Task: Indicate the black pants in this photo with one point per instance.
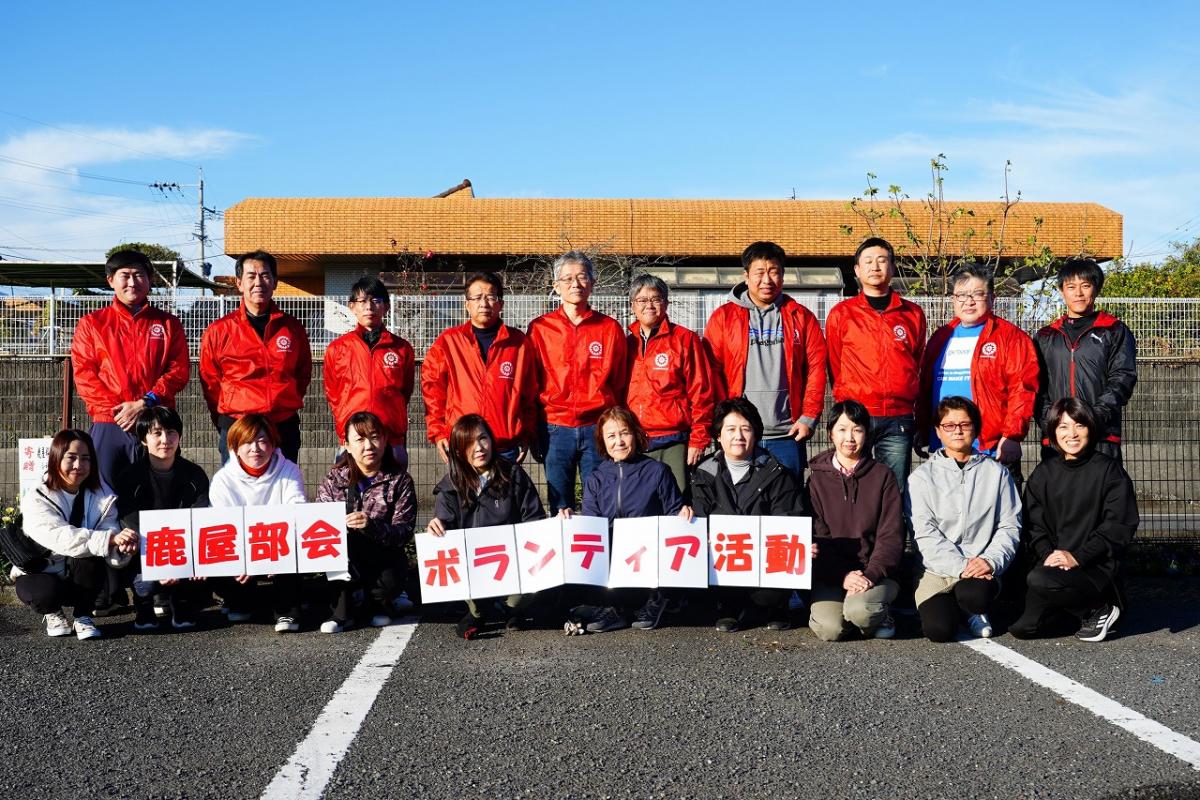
(375, 569)
(47, 593)
(1051, 590)
(241, 597)
(289, 434)
(941, 613)
(732, 601)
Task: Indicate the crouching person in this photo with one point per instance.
(483, 489)
(857, 519)
(742, 478)
(381, 511)
(75, 519)
(161, 479)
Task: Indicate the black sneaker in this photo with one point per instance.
(609, 619)
(731, 624)
(145, 619)
(515, 621)
(468, 627)
(778, 622)
(649, 615)
(1096, 627)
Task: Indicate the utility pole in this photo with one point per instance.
(203, 237)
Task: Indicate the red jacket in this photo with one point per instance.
(242, 374)
(455, 381)
(378, 379)
(670, 385)
(118, 356)
(875, 358)
(581, 368)
(1004, 380)
(727, 336)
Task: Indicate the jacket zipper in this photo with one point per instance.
(620, 480)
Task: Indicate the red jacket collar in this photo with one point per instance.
(124, 311)
(635, 328)
(988, 321)
(505, 331)
(1103, 320)
(587, 315)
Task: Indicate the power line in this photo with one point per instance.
(74, 172)
(97, 139)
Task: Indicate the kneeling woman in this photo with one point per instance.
(1080, 515)
(744, 479)
(482, 489)
(75, 519)
(966, 519)
(627, 484)
(381, 511)
(258, 474)
(857, 520)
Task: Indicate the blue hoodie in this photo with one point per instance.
(636, 487)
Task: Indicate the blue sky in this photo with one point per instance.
(1091, 102)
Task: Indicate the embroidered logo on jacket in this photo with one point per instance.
(506, 369)
(662, 360)
(988, 350)
(596, 350)
(284, 344)
(157, 331)
(901, 334)
(391, 358)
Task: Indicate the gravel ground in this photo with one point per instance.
(679, 712)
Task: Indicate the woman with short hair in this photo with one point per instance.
(74, 518)
(1080, 515)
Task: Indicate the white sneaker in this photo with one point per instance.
(402, 603)
(286, 625)
(57, 624)
(86, 629)
(980, 626)
(331, 626)
(380, 621)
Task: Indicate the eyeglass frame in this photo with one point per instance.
(960, 427)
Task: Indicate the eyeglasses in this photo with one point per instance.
(646, 302)
(966, 297)
(376, 302)
(479, 298)
(577, 280)
(961, 427)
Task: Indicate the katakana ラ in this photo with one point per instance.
(493, 554)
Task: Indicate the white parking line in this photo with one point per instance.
(1141, 726)
(308, 771)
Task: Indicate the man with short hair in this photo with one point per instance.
(127, 356)
(580, 372)
(1087, 354)
(371, 369)
(670, 381)
(769, 348)
(985, 359)
(256, 359)
(876, 343)
(482, 367)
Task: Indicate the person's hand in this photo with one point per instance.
(168, 581)
(800, 431)
(1008, 451)
(1061, 559)
(356, 520)
(243, 579)
(977, 568)
(694, 455)
(565, 513)
(813, 550)
(126, 541)
(522, 453)
(436, 527)
(687, 513)
(856, 582)
(125, 414)
(443, 450)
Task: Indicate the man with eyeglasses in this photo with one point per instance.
(580, 372)
(670, 384)
(985, 359)
(371, 369)
(482, 367)
(256, 359)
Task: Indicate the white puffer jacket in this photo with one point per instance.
(46, 515)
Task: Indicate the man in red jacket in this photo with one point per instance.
(256, 360)
(482, 367)
(580, 372)
(371, 369)
(769, 348)
(985, 359)
(670, 381)
(876, 342)
(126, 357)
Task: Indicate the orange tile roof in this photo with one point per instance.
(306, 228)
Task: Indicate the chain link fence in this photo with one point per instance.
(1162, 425)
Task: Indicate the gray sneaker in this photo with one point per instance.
(649, 615)
(609, 619)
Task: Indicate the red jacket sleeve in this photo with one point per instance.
(304, 364)
(434, 377)
(616, 376)
(815, 354)
(178, 370)
(210, 368)
(410, 372)
(834, 332)
(332, 377)
(86, 368)
(714, 346)
(701, 397)
(1023, 378)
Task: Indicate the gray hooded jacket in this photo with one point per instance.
(766, 380)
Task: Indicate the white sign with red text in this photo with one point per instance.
(219, 542)
(270, 539)
(492, 569)
(585, 548)
(540, 554)
(634, 553)
(786, 553)
(733, 550)
(682, 553)
(165, 541)
(442, 562)
(321, 543)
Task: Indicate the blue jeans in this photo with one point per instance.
(791, 454)
(891, 443)
(567, 448)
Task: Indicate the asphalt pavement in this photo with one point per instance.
(683, 711)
